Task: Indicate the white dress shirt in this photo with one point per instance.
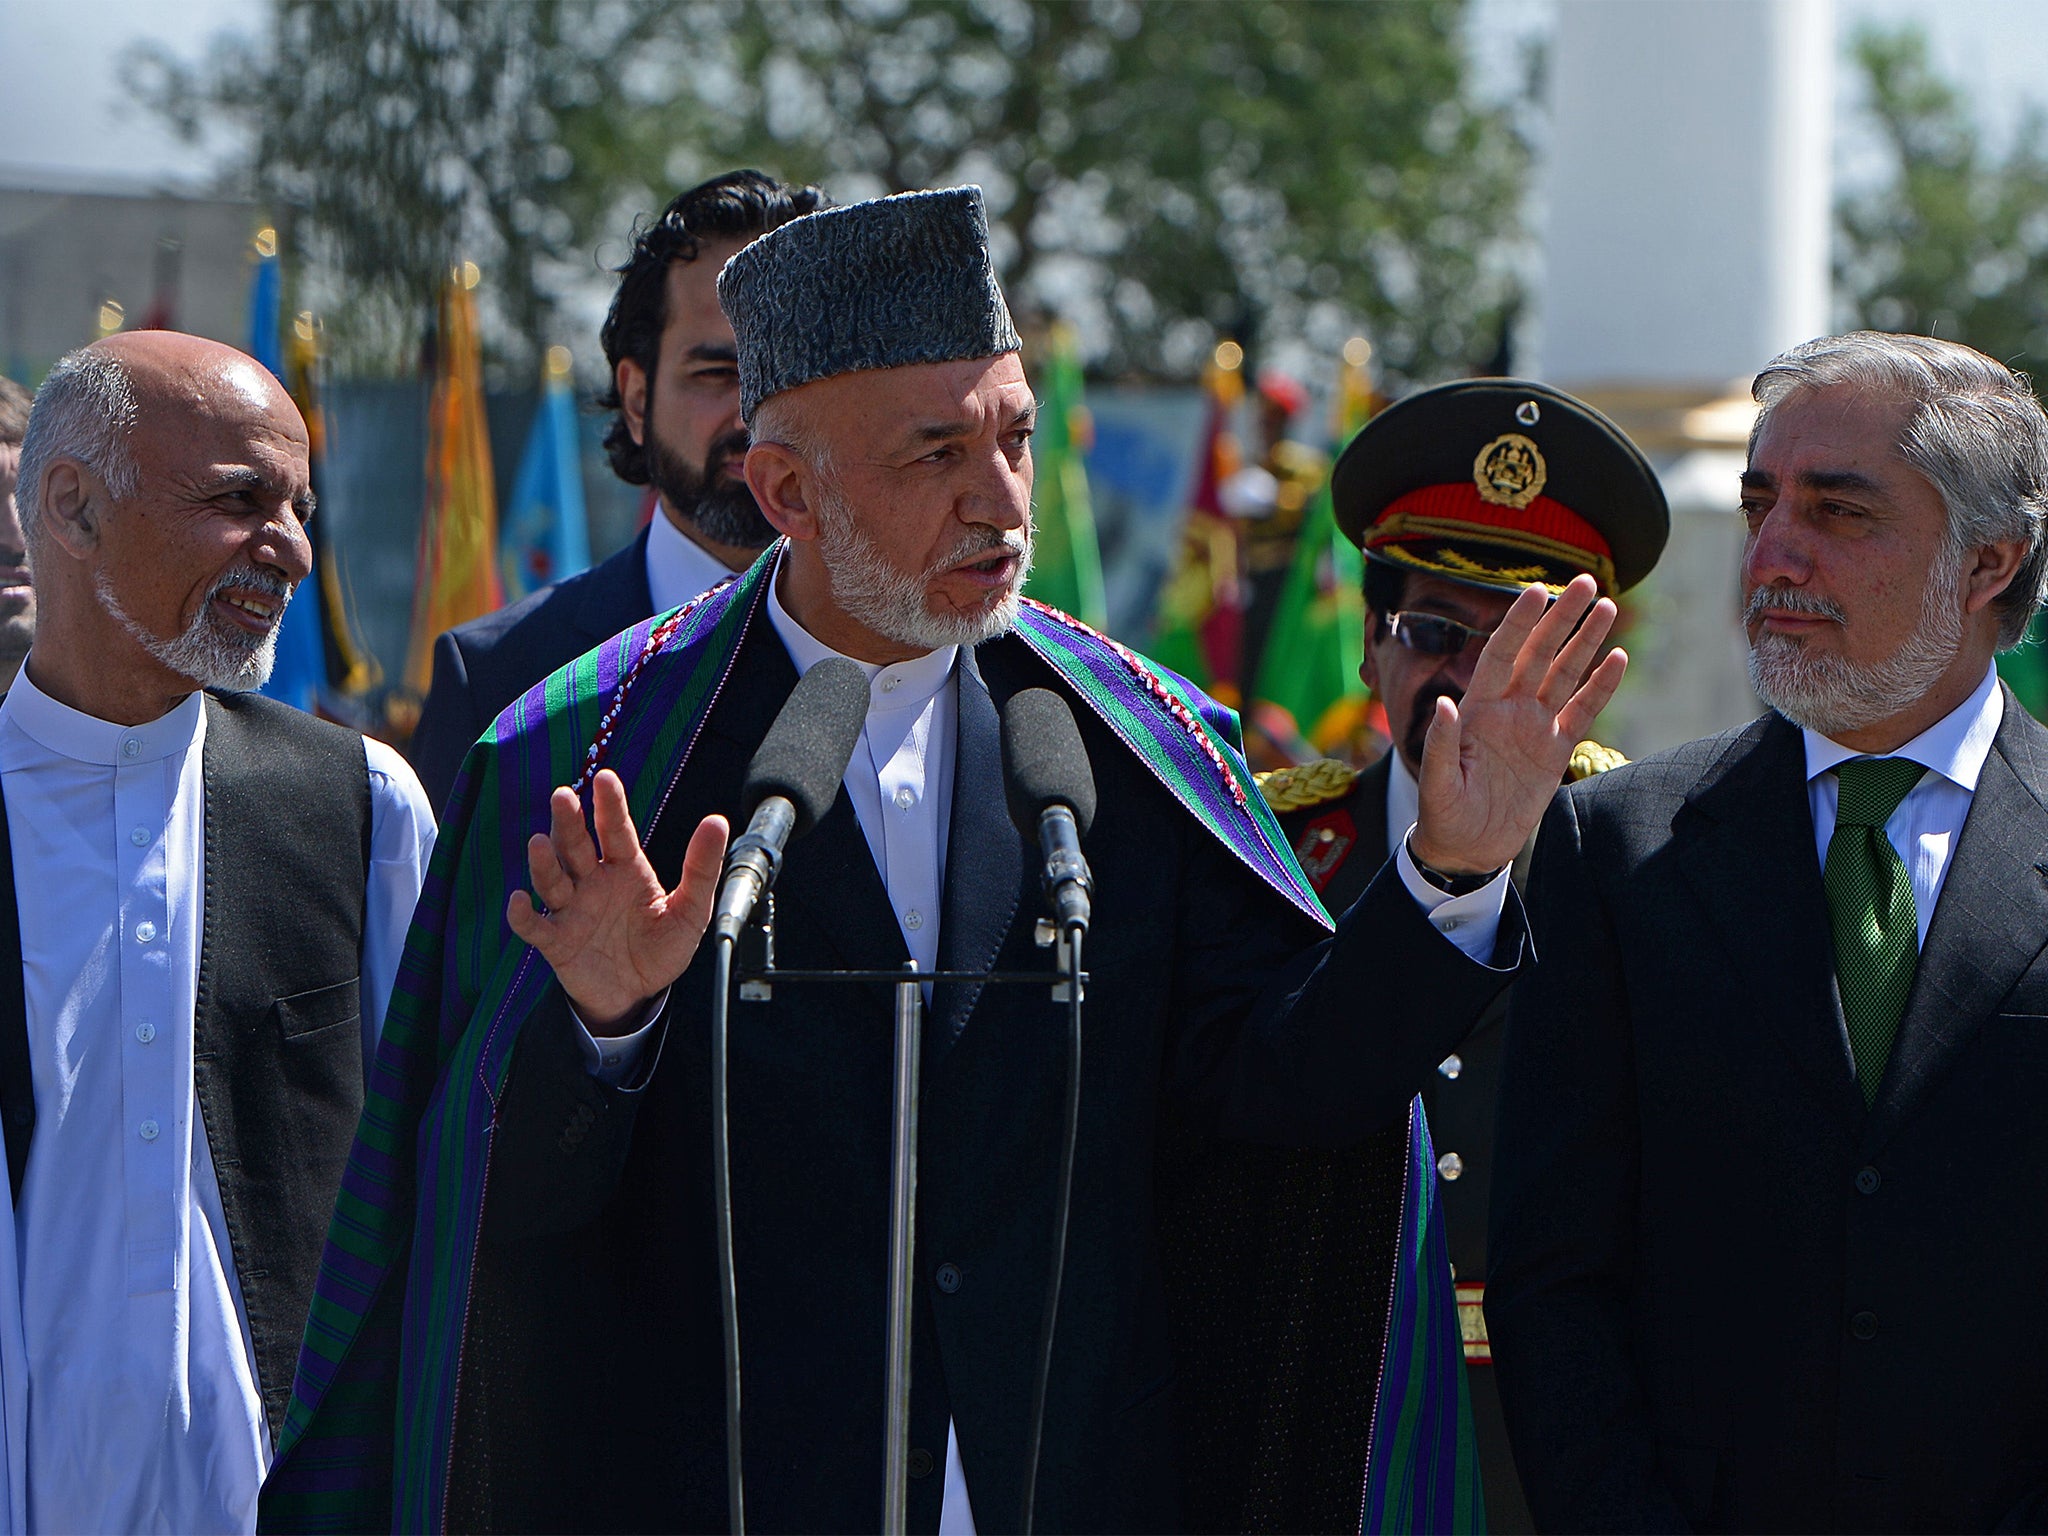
(127, 1381)
(900, 783)
(678, 567)
(1928, 821)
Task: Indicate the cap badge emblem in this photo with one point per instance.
(1528, 413)
(1510, 471)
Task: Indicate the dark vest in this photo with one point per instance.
(277, 1036)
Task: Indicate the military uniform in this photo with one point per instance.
(1336, 819)
(1490, 484)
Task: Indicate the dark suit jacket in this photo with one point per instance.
(1724, 1295)
(482, 666)
(1208, 993)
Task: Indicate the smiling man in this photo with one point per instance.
(566, 1287)
(676, 393)
(1770, 1126)
(206, 899)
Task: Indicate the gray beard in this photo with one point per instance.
(1833, 695)
(209, 652)
(894, 605)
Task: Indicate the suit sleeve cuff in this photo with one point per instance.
(615, 1060)
(1472, 921)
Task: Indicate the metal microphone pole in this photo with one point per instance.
(902, 1237)
(721, 1188)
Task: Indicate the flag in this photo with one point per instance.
(1199, 631)
(1066, 567)
(458, 547)
(546, 535)
(299, 669)
(1310, 665)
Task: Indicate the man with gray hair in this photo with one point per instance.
(204, 899)
(1772, 1098)
(17, 601)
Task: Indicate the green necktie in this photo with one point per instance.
(1870, 900)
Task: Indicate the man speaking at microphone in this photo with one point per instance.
(519, 1319)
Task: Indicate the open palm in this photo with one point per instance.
(613, 935)
(1491, 763)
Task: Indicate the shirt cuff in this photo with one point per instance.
(614, 1059)
(1472, 921)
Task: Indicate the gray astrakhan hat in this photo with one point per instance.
(881, 284)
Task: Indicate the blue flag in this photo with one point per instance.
(544, 534)
(301, 666)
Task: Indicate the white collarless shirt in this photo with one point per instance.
(1928, 821)
(127, 1382)
(678, 567)
(900, 782)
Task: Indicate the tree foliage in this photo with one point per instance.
(1161, 171)
(1955, 242)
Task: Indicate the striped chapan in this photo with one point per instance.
(367, 1441)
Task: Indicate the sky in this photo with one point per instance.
(65, 116)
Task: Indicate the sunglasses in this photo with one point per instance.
(1431, 634)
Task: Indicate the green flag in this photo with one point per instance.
(1317, 637)
(1318, 634)
(2025, 671)
(1066, 567)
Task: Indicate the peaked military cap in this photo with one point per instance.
(1498, 483)
(880, 284)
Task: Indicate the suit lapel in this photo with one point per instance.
(617, 597)
(1750, 859)
(985, 862)
(1989, 924)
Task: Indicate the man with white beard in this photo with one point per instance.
(205, 898)
(1771, 1139)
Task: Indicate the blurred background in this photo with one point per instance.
(1229, 231)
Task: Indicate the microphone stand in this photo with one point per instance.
(1068, 984)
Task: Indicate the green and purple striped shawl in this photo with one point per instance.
(368, 1438)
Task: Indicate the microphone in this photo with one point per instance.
(791, 782)
(1052, 792)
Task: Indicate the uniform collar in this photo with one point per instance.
(86, 738)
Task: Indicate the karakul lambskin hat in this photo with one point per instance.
(880, 284)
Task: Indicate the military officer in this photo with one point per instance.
(1459, 496)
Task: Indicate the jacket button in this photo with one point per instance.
(1867, 1180)
(1450, 1166)
(948, 1278)
(1864, 1325)
(920, 1462)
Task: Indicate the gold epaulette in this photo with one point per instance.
(1589, 758)
(1307, 784)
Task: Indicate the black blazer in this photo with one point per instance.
(1723, 1294)
(482, 666)
(1208, 993)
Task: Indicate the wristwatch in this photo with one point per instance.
(1450, 885)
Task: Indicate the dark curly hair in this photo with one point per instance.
(737, 205)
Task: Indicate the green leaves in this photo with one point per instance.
(1161, 170)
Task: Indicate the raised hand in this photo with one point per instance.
(614, 937)
(1491, 763)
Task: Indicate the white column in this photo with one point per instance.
(1685, 242)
